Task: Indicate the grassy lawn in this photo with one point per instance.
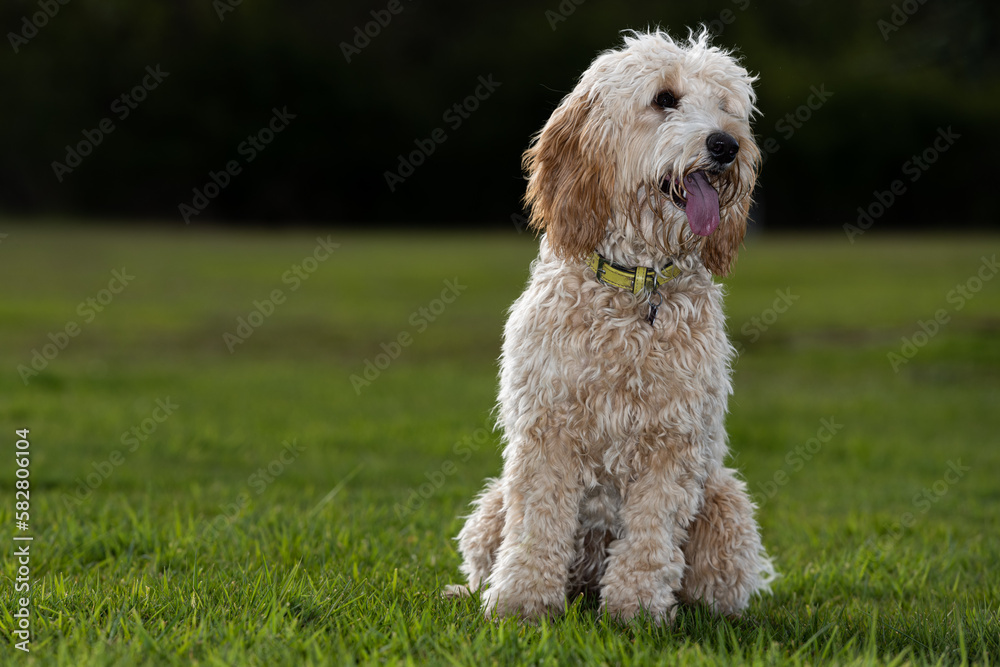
(204, 498)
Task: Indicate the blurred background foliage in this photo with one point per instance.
(893, 88)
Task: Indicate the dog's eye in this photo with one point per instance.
(665, 100)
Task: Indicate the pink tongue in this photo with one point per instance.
(702, 204)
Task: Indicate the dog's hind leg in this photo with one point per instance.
(480, 538)
(726, 562)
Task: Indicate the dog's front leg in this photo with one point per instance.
(542, 491)
(646, 565)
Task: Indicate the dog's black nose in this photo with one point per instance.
(722, 147)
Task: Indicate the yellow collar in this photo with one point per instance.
(637, 280)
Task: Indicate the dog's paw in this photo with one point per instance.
(622, 612)
(498, 605)
(624, 600)
(456, 591)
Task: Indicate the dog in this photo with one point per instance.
(615, 368)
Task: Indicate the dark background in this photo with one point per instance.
(230, 65)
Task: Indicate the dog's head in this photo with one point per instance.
(654, 140)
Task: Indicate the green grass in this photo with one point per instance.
(190, 552)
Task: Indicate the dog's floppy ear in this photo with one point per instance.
(570, 179)
(721, 247)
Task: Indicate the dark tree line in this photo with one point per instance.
(416, 112)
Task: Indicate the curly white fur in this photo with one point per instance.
(613, 478)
